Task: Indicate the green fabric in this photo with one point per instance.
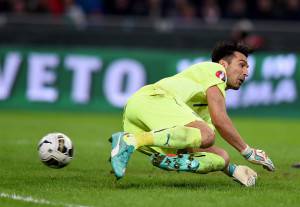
(209, 162)
(153, 109)
(173, 101)
(190, 85)
(178, 137)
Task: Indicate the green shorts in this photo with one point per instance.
(152, 108)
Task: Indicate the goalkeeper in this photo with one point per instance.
(174, 120)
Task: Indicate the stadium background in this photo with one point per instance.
(70, 65)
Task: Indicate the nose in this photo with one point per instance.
(246, 72)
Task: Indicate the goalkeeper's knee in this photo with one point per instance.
(224, 155)
(187, 136)
(207, 133)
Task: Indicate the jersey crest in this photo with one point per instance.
(221, 75)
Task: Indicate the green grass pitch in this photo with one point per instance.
(25, 181)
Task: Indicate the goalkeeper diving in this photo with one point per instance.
(174, 120)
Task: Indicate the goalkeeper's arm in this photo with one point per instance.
(220, 119)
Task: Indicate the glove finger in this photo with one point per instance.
(251, 181)
(262, 158)
(268, 165)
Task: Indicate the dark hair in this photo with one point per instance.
(225, 49)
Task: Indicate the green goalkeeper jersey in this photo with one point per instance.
(190, 86)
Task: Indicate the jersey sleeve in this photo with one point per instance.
(216, 77)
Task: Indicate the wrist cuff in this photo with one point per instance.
(230, 169)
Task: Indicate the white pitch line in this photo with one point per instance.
(38, 201)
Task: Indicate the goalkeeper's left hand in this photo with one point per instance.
(259, 157)
(244, 175)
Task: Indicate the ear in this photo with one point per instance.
(224, 63)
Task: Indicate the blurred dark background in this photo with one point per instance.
(269, 25)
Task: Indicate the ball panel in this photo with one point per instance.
(55, 150)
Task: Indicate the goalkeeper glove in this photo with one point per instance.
(244, 175)
(259, 157)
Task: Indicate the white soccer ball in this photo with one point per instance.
(56, 150)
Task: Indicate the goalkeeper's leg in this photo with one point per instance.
(177, 137)
(208, 160)
(193, 135)
(213, 158)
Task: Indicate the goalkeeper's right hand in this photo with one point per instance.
(259, 157)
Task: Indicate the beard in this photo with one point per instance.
(233, 86)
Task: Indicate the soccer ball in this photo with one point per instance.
(56, 150)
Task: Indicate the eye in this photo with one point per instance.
(242, 65)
